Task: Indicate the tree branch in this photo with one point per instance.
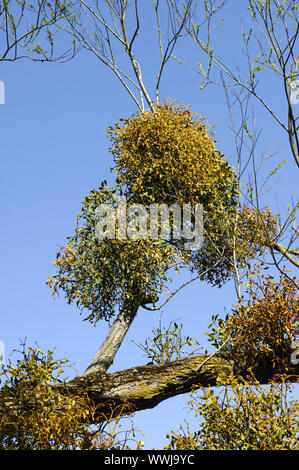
(287, 253)
(106, 354)
(144, 387)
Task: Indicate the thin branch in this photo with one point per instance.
(180, 288)
(212, 355)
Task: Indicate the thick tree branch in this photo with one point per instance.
(145, 387)
(105, 355)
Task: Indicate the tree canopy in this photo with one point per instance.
(177, 205)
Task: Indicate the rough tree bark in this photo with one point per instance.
(105, 356)
(144, 387)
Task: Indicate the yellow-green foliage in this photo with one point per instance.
(170, 156)
(166, 156)
(254, 231)
(263, 326)
(243, 416)
(169, 344)
(102, 275)
(38, 413)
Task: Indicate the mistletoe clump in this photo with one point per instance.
(38, 411)
(165, 157)
(169, 155)
(261, 329)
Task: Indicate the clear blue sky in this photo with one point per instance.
(54, 150)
